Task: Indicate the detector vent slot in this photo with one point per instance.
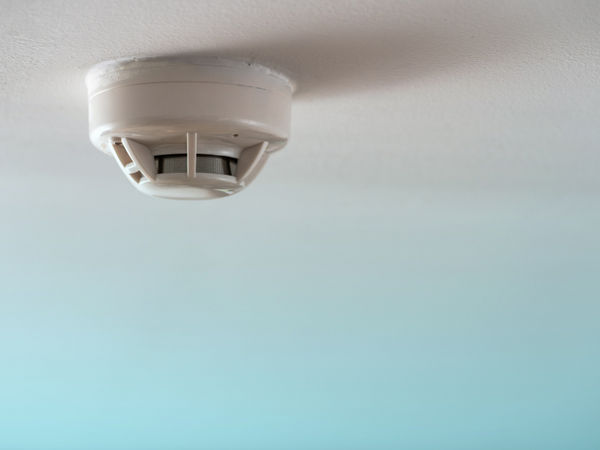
(218, 165)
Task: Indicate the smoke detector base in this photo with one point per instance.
(184, 129)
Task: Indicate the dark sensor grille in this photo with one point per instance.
(219, 165)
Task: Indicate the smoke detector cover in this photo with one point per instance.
(188, 130)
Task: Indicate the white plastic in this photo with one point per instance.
(141, 110)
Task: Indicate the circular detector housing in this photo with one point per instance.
(184, 129)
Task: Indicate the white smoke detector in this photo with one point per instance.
(185, 129)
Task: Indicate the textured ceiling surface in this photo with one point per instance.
(489, 93)
(417, 269)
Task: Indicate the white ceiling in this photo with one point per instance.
(417, 269)
(453, 94)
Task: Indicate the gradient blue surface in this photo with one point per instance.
(387, 319)
(417, 270)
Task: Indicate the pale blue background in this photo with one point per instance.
(419, 269)
(387, 319)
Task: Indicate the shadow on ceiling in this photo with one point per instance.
(342, 60)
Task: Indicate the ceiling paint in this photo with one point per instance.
(417, 269)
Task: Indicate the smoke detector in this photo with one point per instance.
(183, 129)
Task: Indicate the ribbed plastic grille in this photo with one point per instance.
(220, 165)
